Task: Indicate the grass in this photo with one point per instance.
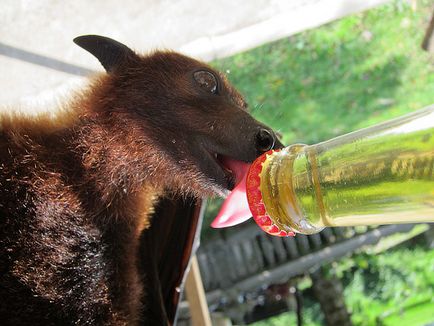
(421, 313)
(349, 74)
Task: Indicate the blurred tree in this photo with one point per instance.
(328, 290)
(428, 41)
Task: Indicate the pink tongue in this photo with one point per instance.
(235, 209)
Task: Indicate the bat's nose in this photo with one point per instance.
(265, 140)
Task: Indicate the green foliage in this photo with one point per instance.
(384, 289)
(381, 288)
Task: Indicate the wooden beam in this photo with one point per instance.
(196, 296)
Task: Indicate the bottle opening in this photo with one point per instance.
(254, 198)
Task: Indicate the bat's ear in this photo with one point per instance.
(112, 54)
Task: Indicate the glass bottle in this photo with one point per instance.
(379, 175)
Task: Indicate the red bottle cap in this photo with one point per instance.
(254, 199)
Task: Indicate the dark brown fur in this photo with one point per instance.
(76, 190)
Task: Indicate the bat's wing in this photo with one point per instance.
(166, 249)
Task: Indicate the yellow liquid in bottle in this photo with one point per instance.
(379, 175)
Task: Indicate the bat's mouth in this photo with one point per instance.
(227, 169)
(224, 166)
(222, 171)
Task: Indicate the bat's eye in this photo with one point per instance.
(206, 80)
